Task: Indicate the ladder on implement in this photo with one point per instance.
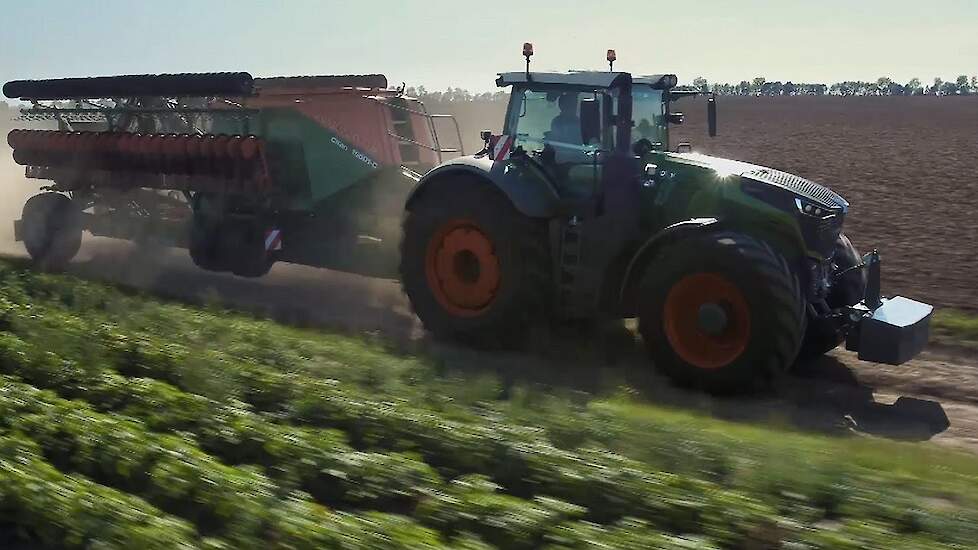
(409, 144)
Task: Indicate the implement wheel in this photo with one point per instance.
(245, 248)
(205, 243)
(51, 226)
(724, 313)
(473, 267)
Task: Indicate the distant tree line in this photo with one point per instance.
(456, 94)
(962, 85)
(760, 86)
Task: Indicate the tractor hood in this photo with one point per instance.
(800, 186)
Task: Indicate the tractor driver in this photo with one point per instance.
(566, 126)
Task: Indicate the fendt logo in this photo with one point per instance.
(360, 156)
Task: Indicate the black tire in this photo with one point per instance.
(205, 243)
(183, 84)
(519, 244)
(244, 249)
(51, 226)
(765, 312)
(332, 81)
(824, 335)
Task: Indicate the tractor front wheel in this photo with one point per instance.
(724, 313)
(473, 267)
(51, 225)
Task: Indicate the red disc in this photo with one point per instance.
(144, 145)
(234, 147)
(221, 145)
(124, 146)
(13, 137)
(23, 139)
(37, 139)
(98, 143)
(193, 146)
(249, 147)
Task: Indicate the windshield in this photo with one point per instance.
(648, 112)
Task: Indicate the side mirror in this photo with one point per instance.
(590, 121)
(711, 115)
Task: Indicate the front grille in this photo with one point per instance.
(806, 188)
(821, 233)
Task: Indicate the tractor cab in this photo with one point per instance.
(575, 123)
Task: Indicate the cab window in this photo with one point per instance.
(540, 118)
(648, 113)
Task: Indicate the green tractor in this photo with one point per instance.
(580, 210)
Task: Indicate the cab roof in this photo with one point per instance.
(596, 79)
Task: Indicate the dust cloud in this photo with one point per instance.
(14, 190)
(291, 293)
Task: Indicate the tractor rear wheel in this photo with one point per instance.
(51, 226)
(473, 267)
(722, 312)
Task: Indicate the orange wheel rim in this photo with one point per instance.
(707, 320)
(462, 268)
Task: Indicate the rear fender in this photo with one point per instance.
(649, 250)
(526, 186)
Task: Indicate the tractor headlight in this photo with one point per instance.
(810, 208)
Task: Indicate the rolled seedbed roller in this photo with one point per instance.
(241, 171)
(206, 158)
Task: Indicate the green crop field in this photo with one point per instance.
(127, 422)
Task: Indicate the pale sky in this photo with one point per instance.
(464, 43)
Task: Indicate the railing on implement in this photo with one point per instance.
(430, 120)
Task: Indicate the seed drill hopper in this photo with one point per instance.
(242, 171)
